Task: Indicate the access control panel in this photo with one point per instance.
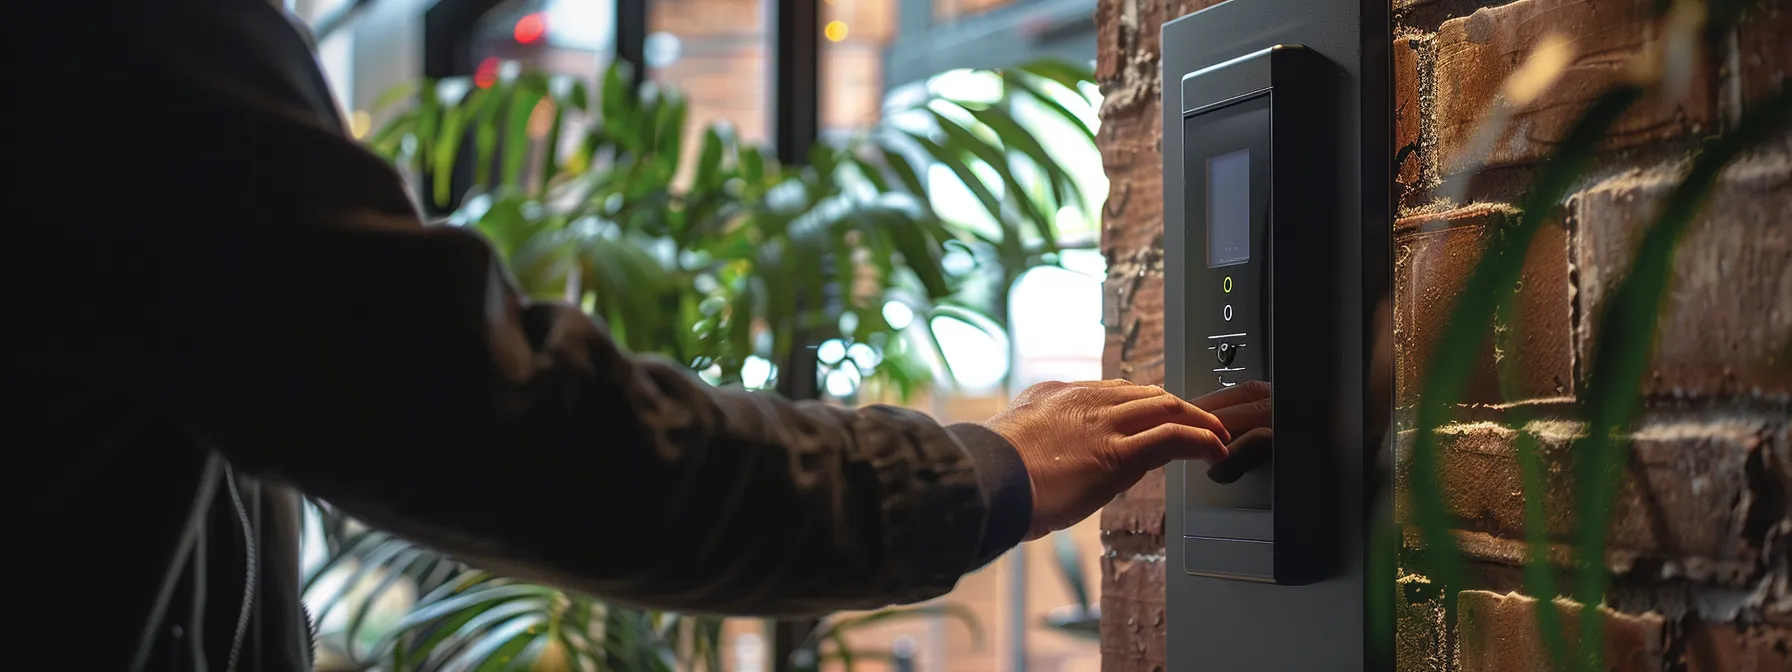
(1251, 205)
(1277, 183)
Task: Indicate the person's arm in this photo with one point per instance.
(273, 291)
(393, 374)
(279, 298)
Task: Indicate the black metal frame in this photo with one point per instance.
(795, 77)
(796, 125)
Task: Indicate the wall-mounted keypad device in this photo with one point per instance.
(1277, 185)
(1256, 216)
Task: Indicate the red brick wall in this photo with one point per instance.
(1701, 532)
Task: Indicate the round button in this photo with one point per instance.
(1228, 312)
(1226, 285)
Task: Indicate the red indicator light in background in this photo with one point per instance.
(486, 74)
(530, 28)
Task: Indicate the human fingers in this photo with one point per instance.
(1242, 418)
(1245, 392)
(1159, 445)
(1165, 408)
(1250, 451)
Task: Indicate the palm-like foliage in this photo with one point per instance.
(711, 256)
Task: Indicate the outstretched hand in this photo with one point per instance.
(1084, 443)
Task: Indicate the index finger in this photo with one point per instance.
(1146, 413)
(1242, 393)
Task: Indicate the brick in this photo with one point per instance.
(1499, 633)
(1128, 29)
(867, 21)
(1726, 326)
(1135, 334)
(1683, 503)
(706, 18)
(1434, 256)
(1408, 106)
(1720, 647)
(1476, 54)
(1134, 522)
(1132, 215)
(1112, 31)
(1763, 57)
(852, 85)
(1132, 637)
(1778, 462)
(1132, 613)
(1421, 642)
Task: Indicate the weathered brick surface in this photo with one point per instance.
(1702, 525)
(1499, 634)
(1686, 502)
(1727, 320)
(1762, 55)
(1135, 334)
(1717, 647)
(1132, 238)
(1421, 626)
(1434, 256)
(1702, 519)
(1132, 217)
(1132, 612)
(1409, 109)
(1477, 53)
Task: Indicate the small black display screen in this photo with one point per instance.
(1229, 208)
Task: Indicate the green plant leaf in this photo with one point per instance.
(1539, 572)
(505, 644)
(529, 656)
(615, 93)
(961, 139)
(1051, 104)
(485, 131)
(752, 165)
(395, 573)
(1064, 188)
(401, 91)
(919, 254)
(905, 172)
(352, 548)
(709, 161)
(444, 152)
(956, 162)
(516, 132)
(484, 633)
(550, 149)
(670, 126)
(870, 173)
(376, 559)
(1060, 71)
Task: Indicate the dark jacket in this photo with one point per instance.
(217, 299)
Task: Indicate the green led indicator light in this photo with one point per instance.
(1226, 285)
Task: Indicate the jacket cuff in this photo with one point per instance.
(1007, 490)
